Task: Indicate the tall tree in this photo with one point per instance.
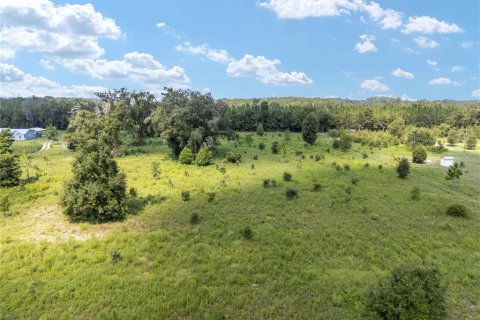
(310, 128)
(9, 165)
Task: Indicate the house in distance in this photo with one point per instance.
(24, 134)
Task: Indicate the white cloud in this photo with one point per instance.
(467, 44)
(404, 97)
(15, 82)
(426, 42)
(367, 44)
(137, 66)
(219, 56)
(399, 73)
(425, 24)
(432, 63)
(6, 53)
(374, 85)
(66, 31)
(300, 9)
(457, 69)
(161, 24)
(46, 64)
(476, 93)
(443, 81)
(265, 70)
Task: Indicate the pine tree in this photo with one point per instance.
(310, 128)
(454, 172)
(9, 165)
(260, 130)
(403, 168)
(186, 156)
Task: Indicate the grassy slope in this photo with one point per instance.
(313, 257)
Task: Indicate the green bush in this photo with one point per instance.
(457, 210)
(247, 233)
(403, 168)
(194, 218)
(261, 146)
(421, 136)
(419, 154)
(410, 292)
(185, 195)
(355, 181)
(233, 157)
(186, 156)
(132, 192)
(116, 256)
(211, 196)
(260, 130)
(10, 171)
(317, 186)
(291, 193)
(415, 193)
(471, 143)
(287, 176)
(266, 183)
(275, 147)
(204, 157)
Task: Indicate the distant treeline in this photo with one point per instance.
(276, 114)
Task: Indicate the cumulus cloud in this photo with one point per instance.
(15, 82)
(137, 66)
(219, 56)
(457, 69)
(432, 63)
(374, 85)
(426, 42)
(399, 73)
(46, 64)
(467, 44)
(367, 44)
(476, 93)
(265, 70)
(443, 81)
(65, 31)
(426, 24)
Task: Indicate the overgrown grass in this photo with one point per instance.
(312, 258)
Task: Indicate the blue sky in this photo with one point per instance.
(354, 49)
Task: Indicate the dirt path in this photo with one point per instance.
(45, 147)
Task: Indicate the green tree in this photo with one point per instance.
(26, 163)
(471, 142)
(420, 136)
(204, 157)
(403, 168)
(51, 132)
(97, 189)
(345, 141)
(260, 130)
(186, 156)
(410, 292)
(310, 128)
(10, 171)
(453, 136)
(454, 172)
(419, 154)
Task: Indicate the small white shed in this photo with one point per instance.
(447, 161)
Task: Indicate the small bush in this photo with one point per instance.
(415, 193)
(4, 204)
(457, 210)
(132, 192)
(317, 186)
(287, 176)
(233, 157)
(211, 196)
(419, 154)
(298, 153)
(346, 167)
(471, 143)
(255, 157)
(186, 156)
(194, 218)
(116, 256)
(380, 167)
(204, 157)
(364, 155)
(291, 193)
(252, 166)
(319, 157)
(273, 182)
(266, 183)
(410, 292)
(261, 146)
(275, 147)
(355, 181)
(247, 233)
(222, 170)
(303, 156)
(403, 168)
(336, 144)
(366, 165)
(185, 195)
(155, 169)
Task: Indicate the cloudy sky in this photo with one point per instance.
(426, 49)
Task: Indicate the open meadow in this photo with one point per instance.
(238, 248)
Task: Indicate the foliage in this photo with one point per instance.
(261, 146)
(186, 156)
(4, 204)
(343, 143)
(403, 168)
(155, 169)
(410, 292)
(287, 176)
(204, 157)
(275, 147)
(260, 129)
(291, 193)
(310, 128)
(471, 142)
(454, 172)
(419, 154)
(211, 196)
(233, 157)
(194, 218)
(247, 233)
(420, 136)
(317, 186)
(185, 195)
(9, 165)
(51, 132)
(457, 210)
(415, 193)
(453, 137)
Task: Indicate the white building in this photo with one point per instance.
(447, 161)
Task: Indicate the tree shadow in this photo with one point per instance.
(136, 205)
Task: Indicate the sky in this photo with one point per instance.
(355, 49)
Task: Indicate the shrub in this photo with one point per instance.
(4, 204)
(403, 168)
(410, 292)
(222, 170)
(10, 171)
(186, 156)
(457, 210)
(204, 157)
(247, 233)
(260, 130)
(310, 128)
(273, 182)
(380, 166)
(336, 144)
(317, 186)
(194, 218)
(419, 154)
(454, 172)
(211, 196)
(364, 155)
(266, 183)
(366, 165)
(298, 153)
(346, 167)
(132, 192)
(471, 143)
(355, 181)
(345, 141)
(233, 157)
(287, 176)
(291, 193)
(255, 157)
(116, 256)
(275, 147)
(185, 195)
(415, 193)
(155, 169)
(261, 146)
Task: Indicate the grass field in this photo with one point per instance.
(313, 257)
